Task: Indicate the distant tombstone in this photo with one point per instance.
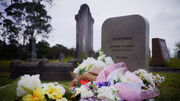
(178, 54)
(126, 39)
(32, 47)
(61, 57)
(160, 53)
(84, 32)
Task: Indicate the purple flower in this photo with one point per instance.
(100, 84)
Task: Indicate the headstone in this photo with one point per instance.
(84, 32)
(61, 57)
(126, 39)
(32, 47)
(160, 54)
(178, 54)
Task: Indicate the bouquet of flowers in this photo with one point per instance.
(150, 81)
(30, 88)
(96, 91)
(94, 65)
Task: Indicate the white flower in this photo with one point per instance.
(93, 64)
(84, 92)
(140, 71)
(109, 93)
(27, 81)
(108, 61)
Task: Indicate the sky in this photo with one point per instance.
(163, 17)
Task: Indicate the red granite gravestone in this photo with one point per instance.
(160, 54)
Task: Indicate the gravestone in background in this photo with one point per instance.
(160, 54)
(178, 55)
(126, 39)
(61, 57)
(84, 32)
(32, 47)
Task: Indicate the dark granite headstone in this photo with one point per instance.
(126, 39)
(84, 32)
(160, 54)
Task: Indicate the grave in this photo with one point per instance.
(84, 32)
(160, 54)
(126, 39)
(61, 57)
(32, 47)
(48, 71)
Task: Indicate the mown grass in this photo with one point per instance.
(174, 63)
(170, 88)
(5, 64)
(5, 78)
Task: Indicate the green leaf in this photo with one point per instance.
(8, 93)
(82, 71)
(29, 91)
(94, 87)
(78, 84)
(90, 67)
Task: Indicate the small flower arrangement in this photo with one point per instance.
(94, 65)
(96, 91)
(150, 81)
(30, 88)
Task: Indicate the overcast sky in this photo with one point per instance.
(163, 17)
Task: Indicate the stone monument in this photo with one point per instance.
(61, 57)
(160, 53)
(32, 47)
(84, 32)
(126, 39)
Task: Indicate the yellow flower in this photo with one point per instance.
(53, 92)
(38, 95)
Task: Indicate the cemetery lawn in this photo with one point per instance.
(170, 88)
(174, 63)
(5, 64)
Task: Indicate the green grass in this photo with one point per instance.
(170, 88)
(5, 64)
(174, 63)
(150, 61)
(4, 78)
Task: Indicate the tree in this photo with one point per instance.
(177, 48)
(26, 19)
(43, 49)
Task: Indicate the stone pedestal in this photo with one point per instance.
(84, 32)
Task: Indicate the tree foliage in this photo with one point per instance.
(26, 19)
(177, 48)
